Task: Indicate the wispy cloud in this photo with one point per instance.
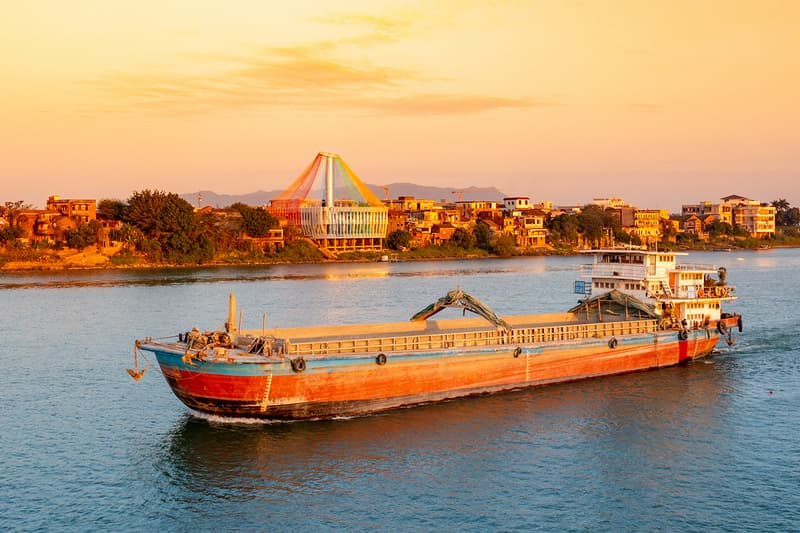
(379, 29)
(307, 76)
(445, 104)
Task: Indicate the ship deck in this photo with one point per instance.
(329, 341)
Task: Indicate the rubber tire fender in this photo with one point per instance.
(722, 327)
(299, 364)
(612, 343)
(380, 359)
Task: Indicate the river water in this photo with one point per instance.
(713, 445)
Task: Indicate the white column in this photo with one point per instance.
(329, 181)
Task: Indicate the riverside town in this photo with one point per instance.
(328, 213)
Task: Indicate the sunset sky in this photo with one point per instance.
(658, 102)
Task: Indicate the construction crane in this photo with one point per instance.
(385, 191)
(460, 194)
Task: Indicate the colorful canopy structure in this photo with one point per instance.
(332, 172)
(357, 219)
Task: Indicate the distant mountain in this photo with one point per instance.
(448, 194)
(224, 200)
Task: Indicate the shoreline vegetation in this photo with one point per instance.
(156, 229)
(90, 258)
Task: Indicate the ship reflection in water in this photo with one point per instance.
(635, 428)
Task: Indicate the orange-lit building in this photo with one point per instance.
(79, 210)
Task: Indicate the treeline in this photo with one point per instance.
(479, 238)
(161, 226)
(785, 215)
(594, 225)
(165, 228)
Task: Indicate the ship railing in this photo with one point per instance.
(466, 339)
(718, 291)
(697, 266)
(611, 270)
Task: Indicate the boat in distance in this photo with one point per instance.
(640, 310)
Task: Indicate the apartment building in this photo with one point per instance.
(79, 210)
(755, 217)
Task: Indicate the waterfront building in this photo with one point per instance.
(411, 204)
(79, 210)
(722, 212)
(647, 224)
(515, 203)
(613, 203)
(355, 221)
(51, 225)
(530, 231)
(479, 210)
(693, 225)
(755, 217)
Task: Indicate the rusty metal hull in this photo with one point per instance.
(356, 384)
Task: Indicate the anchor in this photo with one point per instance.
(136, 374)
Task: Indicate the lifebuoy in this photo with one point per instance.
(612, 343)
(683, 335)
(722, 327)
(381, 359)
(299, 364)
(517, 351)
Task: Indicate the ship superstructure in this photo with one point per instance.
(686, 294)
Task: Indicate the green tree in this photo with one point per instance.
(10, 234)
(157, 213)
(792, 217)
(592, 222)
(111, 209)
(398, 239)
(462, 239)
(504, 245)
(169, 227)
(564, 228)
(11, 211)
(83, 236)
(626, 238)
(785, 214)
(483, 236)
(781, 206)
(718, 228)
(256, 222)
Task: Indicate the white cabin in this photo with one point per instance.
(677, 291)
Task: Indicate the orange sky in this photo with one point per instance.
(661, 103)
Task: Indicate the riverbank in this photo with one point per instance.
(91, 259)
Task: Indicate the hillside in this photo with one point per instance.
(395, 189)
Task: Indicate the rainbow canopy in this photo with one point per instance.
(346, 184)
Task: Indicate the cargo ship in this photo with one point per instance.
(638, 310)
